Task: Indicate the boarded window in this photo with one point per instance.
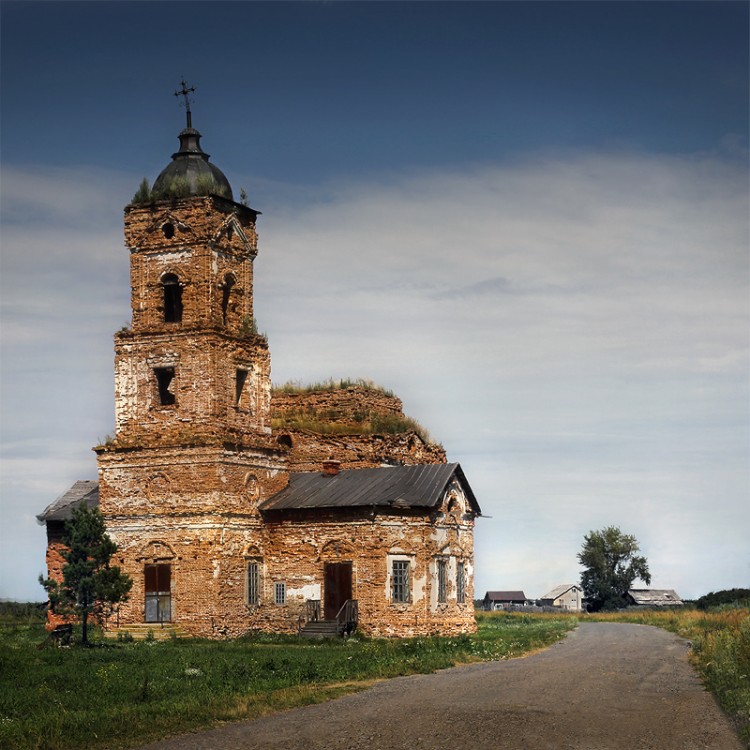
(165, 385)
(279, 593)
(172, 298)
(461, 583)
(400, 591)
(442, 582)
(253, 583)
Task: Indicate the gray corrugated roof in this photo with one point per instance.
(84, 490)
(655, 596)
(419, 486)
(505, 596)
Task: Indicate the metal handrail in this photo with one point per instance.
(350, 611)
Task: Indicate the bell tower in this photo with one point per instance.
(193, 365)
(192, 455)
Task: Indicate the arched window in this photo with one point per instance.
(226, 294)
(172, 298)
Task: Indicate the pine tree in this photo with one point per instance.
(90, 585)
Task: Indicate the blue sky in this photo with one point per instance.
(528, 219)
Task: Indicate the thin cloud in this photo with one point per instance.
(573, 328)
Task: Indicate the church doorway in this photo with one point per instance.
(158, 580)
(337, 588)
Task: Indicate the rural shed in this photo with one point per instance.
(653, 598)
(503, 599)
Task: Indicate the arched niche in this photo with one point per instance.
(337, 549)
(156, 550)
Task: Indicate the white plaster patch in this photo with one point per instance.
(311, 591)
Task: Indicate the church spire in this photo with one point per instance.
(190, 172)
(185, 91)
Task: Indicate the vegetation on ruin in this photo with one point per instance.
(295, 386)
(249, 328)
(121, 694)
(333, 422)
(370, 423)
(177, 187)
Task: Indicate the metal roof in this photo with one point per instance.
(505, 596)
(421, 486)
(654, 597)
(83, 491)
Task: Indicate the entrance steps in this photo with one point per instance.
(146, 631)
(320, 629)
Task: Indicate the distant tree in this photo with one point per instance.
(90, 585)
(726, 596)
(611, 564)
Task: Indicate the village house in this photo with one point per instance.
(236, 507)
(653, 598)
(503, 600)
(568, 596)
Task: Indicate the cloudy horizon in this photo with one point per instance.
(569, 318)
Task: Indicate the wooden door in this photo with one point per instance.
(337, 588)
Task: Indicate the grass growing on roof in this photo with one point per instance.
(295, 386)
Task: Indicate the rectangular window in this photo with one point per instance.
(400, 592)
(442, 582)
(279, 593)
(239, 386)
(253, 583)
(460, 583)
(165, 385)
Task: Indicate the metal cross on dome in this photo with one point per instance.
(186, 92)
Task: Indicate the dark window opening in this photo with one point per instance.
(172, 299)
(165, 385)
(168, 230)
(284, 440)
(253, 583)
(226, 294)
(239, 385)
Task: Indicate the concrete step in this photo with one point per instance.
(320, 629)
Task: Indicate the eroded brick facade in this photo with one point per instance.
(194, 457)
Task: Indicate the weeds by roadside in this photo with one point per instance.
(720, 651)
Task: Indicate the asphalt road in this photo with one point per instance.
(606, 686)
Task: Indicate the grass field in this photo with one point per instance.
(118, 695)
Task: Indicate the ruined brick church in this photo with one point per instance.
(230, 514)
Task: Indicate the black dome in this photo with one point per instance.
(190, 172)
